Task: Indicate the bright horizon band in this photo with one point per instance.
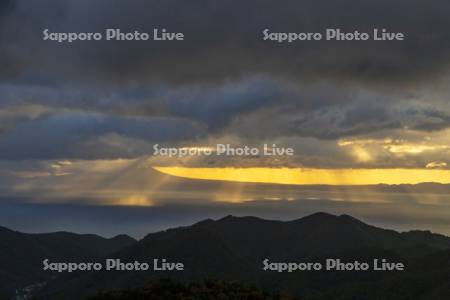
(300, 176)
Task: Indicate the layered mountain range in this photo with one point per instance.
(233, 249)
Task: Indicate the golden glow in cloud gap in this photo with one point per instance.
(312, 176)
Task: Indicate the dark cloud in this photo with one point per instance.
(6, 7)
(353, 115)
(212, 107)
(222, 80)
(430, 119)
(223, 40)
(120, 122)
(91, 136)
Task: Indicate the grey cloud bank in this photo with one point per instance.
(224, 40)
(223, 80)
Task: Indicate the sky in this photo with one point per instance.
(78, 121)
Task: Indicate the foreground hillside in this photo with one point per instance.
(204, 290)
(21, 254)
(234, 248)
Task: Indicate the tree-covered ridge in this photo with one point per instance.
(167, 289)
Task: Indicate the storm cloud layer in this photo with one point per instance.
(224, 40)
(370, 103)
